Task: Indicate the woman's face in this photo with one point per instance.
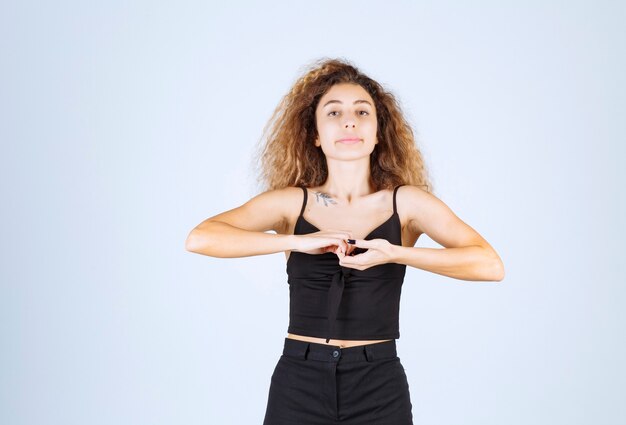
(346, 122)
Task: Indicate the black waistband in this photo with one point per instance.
(333, 353)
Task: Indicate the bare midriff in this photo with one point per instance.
(343, 343)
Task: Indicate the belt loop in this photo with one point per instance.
(306, 351)
(369, 354)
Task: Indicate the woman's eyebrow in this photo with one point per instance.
(339, 101)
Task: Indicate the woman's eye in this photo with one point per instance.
(362, 113)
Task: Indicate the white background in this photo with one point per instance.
(125, 124)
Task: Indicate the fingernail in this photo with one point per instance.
(351, 241)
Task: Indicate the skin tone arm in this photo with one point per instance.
(241, 232)
(466, 256)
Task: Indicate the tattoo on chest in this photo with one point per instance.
(325, 198)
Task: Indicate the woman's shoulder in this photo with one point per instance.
(281, 195)
(413, 197)
(411, 190)
(286, 199)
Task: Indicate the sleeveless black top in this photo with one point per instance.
(331, 301)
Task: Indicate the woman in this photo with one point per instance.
(340, 153)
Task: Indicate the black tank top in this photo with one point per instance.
(327, 300)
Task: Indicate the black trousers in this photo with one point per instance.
(318, 384)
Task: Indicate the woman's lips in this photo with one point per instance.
(349, 140)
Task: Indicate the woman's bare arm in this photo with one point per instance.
(467, 255)
(241, 231)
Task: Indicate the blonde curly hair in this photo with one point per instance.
(287, 155)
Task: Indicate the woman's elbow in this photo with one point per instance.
(492, 268)
(192, 242)
(496, 270)
(499, 275)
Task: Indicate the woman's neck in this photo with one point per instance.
(348, 180)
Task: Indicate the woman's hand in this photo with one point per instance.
(378, 251)
(325, 241)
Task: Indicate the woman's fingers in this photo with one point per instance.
(331, 241)
(342, 246)
(340, 235)
(338, 242)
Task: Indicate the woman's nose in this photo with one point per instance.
(349, 123)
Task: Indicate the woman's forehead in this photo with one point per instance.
(346, 92)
